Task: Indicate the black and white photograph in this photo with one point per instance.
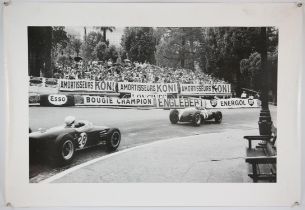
(112, 104)
(153, 104)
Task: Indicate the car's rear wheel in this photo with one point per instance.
(174, 116)
(197, 119)
(65, 150)
(218, 117)
(113, 140)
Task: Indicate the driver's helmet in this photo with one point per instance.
(69, 121)
(201, 108)
(198, 107)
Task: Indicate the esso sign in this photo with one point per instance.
(57, 99)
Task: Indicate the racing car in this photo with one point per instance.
(60, 143)
(194, 115)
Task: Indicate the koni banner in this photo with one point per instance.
(86, 85)
(205, 89)
(131, 87)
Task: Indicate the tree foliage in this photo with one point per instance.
(220, 51)
(94, 48)
(250, 69)
(100, 51)
(104, 32)
(64, 60)
(89, 47)
(111, 53)
(178, 47)
(59, 36)
(76, 45)
(223, 48)
(60, 51)
(139, 44)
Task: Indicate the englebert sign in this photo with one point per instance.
(180, 102)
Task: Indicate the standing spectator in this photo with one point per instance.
(244, 94)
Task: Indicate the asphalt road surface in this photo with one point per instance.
(137, 127)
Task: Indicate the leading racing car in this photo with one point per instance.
(195, 115)
(59, 143)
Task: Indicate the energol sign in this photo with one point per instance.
(233, 103)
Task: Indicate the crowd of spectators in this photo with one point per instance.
(133, 72)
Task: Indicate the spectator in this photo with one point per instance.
(244, 94)
(134, 72)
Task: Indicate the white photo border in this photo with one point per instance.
(287, 17)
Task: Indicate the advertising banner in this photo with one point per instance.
(112, 101)
(180, 102)
(148, 95)
(57, 100)
(36, 81)
(51, 82)
(131, 87)
(205, 89)
(233, 103)
(34, 99)
(86, 85)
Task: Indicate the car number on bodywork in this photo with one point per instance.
(82, 140)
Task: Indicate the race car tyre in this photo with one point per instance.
(196, 119)
(65, 150)
(218, 117)
(174, 116)
(113, 140)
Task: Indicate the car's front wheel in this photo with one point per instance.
(174, 116)
(218, 117)
(113, 140)
(65, 150)
(197, 119)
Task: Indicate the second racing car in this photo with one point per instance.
(194, 115)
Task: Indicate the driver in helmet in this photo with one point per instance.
(80, 125)
(203, 111)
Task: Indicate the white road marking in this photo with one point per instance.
(74, 168)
